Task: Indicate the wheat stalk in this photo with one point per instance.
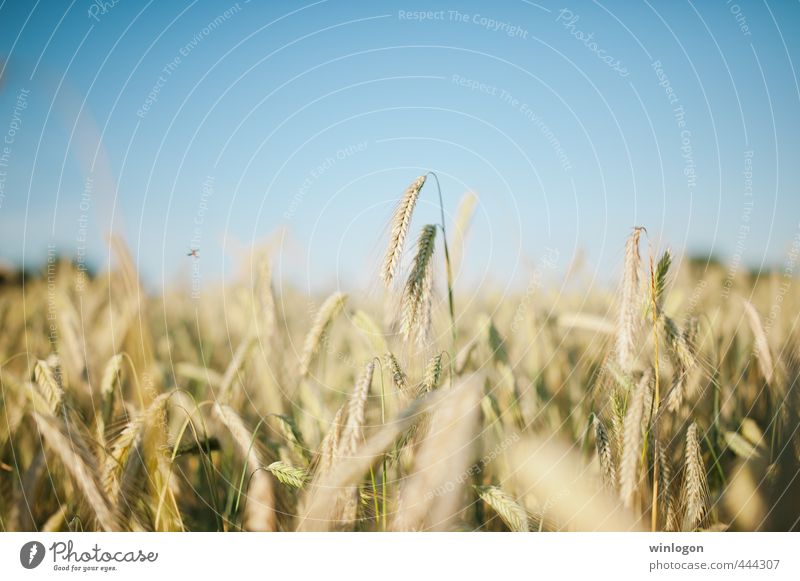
(401, 221)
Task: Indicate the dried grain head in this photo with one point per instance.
(633, 439)
(418, 294)
(605, 454)
(401, 221)
(694, 494)
(332, 306)
(629, 320)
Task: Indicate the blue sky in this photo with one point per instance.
(216, 125)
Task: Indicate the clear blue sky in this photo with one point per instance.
(559, 118)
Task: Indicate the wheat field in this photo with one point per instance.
(668, 401)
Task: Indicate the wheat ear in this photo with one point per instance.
(417, 297)
(266, 301)
(511, 513)
(466, 208)
(49, 387)
(124, 444)
(332, 306)
(401, 221)
(763, 353)
(433, 373)
(130, 458)
(628, 323)
(329, 447)
(356, 411)
(665, 487)
(294, 438)
(632, 440)
(112, 377)
(682, 348)
(352, 438)
(605, 454)
(695, 486)
(398, 377)
(288, 474)
(144, 468)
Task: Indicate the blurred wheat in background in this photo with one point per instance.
(671, 404)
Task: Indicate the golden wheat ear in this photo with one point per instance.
(401, 222)
(630, 301)
(694, 494)
(332, 306)
(399, 378)
(352, 438)
(633, 440)
(510, 512)
(418, 295)
(604, 454)
(763, 353)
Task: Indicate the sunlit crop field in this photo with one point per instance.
(666, 401)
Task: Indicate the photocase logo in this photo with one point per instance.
(31, 554)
